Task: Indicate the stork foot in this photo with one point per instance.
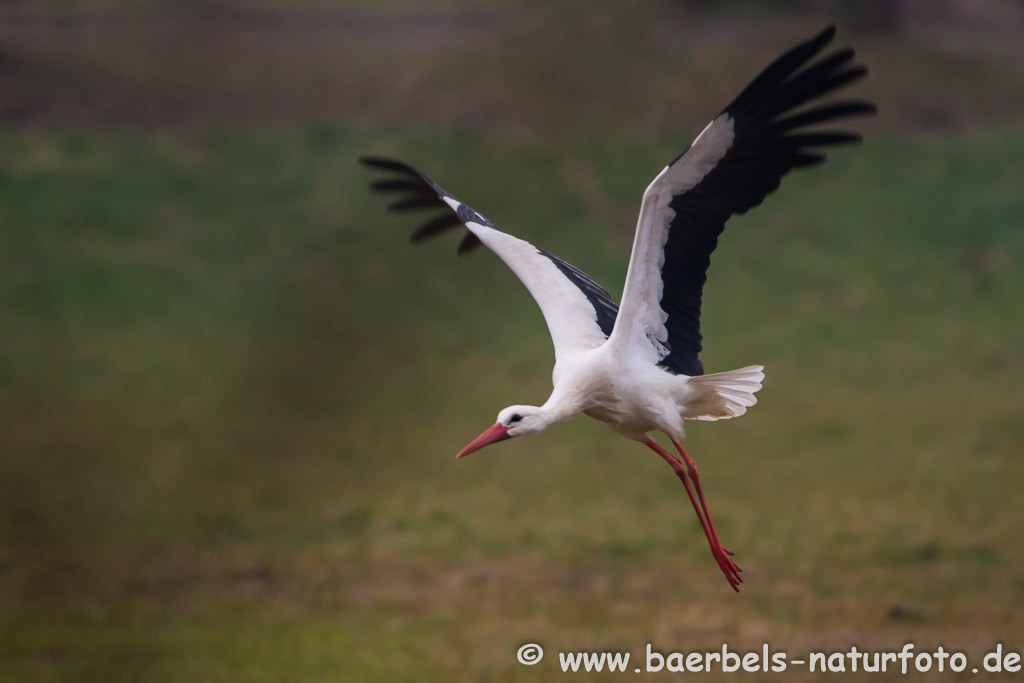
(728, 566)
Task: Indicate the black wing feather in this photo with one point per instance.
(444, 222)
(420, 192)
(769, 141)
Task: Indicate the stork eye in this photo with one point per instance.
(515, 418)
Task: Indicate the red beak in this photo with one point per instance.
(492, 435)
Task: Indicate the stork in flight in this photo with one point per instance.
(636, 366)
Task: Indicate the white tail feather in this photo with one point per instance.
(722, 395)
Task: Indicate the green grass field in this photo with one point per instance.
(231, 393)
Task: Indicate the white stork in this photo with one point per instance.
(635, 367)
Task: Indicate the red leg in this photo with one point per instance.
(720, 554)
(691, 470)
(680, 470)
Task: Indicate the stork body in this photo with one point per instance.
(634, 397)
(636, 368)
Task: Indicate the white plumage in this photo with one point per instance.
(567, 311)
(637, 368)
(641, 316)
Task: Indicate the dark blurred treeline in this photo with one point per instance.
(882, 15)
(867, 15)
(196, 63)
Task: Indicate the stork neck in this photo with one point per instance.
(560, 407)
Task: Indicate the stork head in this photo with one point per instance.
(512, 421)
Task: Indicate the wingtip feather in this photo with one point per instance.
(387, 164)
(468, 243)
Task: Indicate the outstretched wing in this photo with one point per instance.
(738, 159)
(579, 312)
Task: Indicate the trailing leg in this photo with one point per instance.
(686, 471)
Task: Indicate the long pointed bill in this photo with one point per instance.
(492, 435)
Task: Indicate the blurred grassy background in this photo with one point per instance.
(230, 393)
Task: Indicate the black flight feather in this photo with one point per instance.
(769, 140)
(417, 191)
